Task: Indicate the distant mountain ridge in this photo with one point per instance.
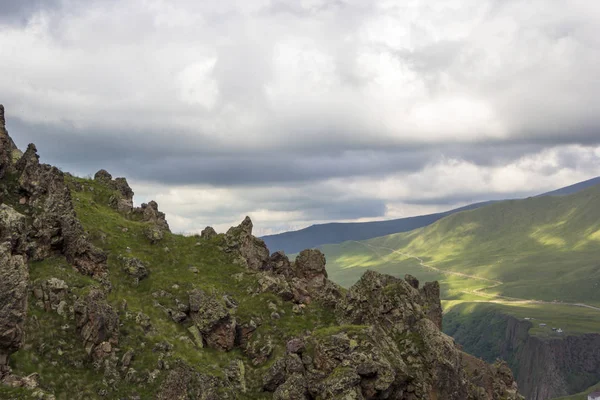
(573, 188)
(337, 232)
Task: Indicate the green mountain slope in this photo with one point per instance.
(544, 248)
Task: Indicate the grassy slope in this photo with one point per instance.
(56, 351)
(582, 395)
(544, 248)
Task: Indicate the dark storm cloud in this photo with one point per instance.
(172, 159)
(19, 11)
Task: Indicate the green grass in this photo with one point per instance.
(176, 264)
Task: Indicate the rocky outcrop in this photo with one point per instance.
(122, 201)
(98, 324)
(303, 280)
(14, 278)
(183, 382)
(55, 227)
(384, 347)
(8, 149)
(212, 319)
(134, 268)
(151, 214)
(13, 303)
(253, 251)
(208, 233)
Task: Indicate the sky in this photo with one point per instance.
(297, 112)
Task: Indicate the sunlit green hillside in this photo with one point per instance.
(543, 249)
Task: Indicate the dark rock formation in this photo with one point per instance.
(183, 382)
(151, 214)
(8, 149)
(430, 293)
(13, 302)
(97, 323)
(55, 227)
(213, 320)
(253, 250)
(14, 278)
(134, 268)
(385, 347)
(208, 233)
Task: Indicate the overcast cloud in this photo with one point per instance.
(304, 111)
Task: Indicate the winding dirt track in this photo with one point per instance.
(494, 283)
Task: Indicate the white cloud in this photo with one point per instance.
(315, 83)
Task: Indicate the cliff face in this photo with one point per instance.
(544, 368)
(98, 299)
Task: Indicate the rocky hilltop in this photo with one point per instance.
(98, 299)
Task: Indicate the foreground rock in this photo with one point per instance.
(386, 346)
(13, 303)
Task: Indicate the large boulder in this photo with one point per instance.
(184, 382)
(208, 233)
(253, 250)
(212, 319)
(97, 323)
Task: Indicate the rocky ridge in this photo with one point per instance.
(308, 339)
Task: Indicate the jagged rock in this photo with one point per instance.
(8, 149)
(275, 376)
(252, 249)
(31, 381)
(275, 284)
(150, 213)
(259, 348)
(123, 202)
(12, 229)
(185, 383)
(293, 388)
(279, 264)
(430, 292)
(103, 176)
(244, 332)
(97, 323)
(127, 358)
(208, 233)
(236, 376)
(310, 264)
(123, 187)
(212, 318)
(135, 268)
(51, 293)
(154, 234)
(14, 278)
(295, 345)
(412, 281)
(56, 228)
